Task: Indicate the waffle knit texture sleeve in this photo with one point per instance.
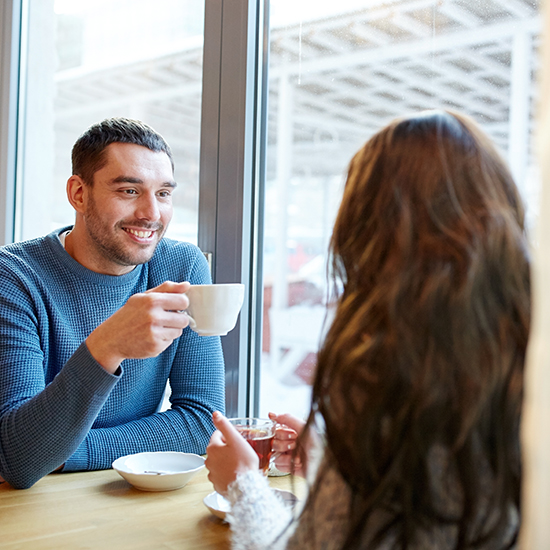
(58, 406)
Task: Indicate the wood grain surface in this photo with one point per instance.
(101, 510)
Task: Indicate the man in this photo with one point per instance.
(92, 323)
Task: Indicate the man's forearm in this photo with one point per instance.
(173, 430)
(44, 431)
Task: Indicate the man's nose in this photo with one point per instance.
(148, 208)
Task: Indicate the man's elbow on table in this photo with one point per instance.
(20, 479)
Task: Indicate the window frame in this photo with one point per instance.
(232, 169)
(11, 71)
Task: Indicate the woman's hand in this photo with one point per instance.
(229, 454)
(288, 429)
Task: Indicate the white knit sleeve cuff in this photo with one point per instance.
(259, 518)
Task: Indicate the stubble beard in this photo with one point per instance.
(105, 239)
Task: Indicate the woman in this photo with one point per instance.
(419, 379)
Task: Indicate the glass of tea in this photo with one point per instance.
(259, 432)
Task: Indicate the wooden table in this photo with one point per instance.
(101, 510)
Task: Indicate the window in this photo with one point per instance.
(92, 59)
(340, 71)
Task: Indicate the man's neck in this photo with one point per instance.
(74, 241)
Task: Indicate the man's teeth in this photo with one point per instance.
(140, 234)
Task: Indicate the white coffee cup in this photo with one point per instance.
(213, 309)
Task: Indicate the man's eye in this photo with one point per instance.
(164, 194)
(129, 192)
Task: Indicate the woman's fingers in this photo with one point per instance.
(228, 454)
(288, 420)
(284, 445)
(285, 432)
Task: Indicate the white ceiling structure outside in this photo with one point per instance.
(356, 72)
(350, 74)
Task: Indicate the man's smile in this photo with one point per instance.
(141, 233)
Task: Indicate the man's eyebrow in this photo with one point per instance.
(130, 179)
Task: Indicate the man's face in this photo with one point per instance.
(128, 207)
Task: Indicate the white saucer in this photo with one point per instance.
(220, 506)
(217, 504)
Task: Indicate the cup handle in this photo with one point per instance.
(192, 322)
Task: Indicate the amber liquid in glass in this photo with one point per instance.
(261, 441)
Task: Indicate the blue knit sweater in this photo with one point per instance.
(57, 404)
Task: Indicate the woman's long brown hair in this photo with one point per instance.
(429, 337)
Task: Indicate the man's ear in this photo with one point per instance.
(77, 193)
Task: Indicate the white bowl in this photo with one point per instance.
(220, 506)
(158, 471)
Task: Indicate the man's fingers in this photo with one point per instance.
(171, 287)
(174, 319)
(169, 301)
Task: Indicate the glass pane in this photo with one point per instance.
(339, 72)
(93, 59)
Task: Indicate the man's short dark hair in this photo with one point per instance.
(88, 155)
